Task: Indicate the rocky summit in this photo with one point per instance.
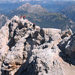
(39, 51)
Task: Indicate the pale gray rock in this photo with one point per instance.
(70, 47)
(12, 27)
(66, 33)
(37, 28)
(14, 57)
(47, 39)
(63, 43)
(41, 62)
(17, 50)
(67, 45)
(54, 34)
(4, 35)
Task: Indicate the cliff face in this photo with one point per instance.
(28, 51)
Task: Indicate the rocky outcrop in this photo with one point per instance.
(67, 44)
(53, 34)
(70, 47)
(42, 62)
(66, 33)
(28, 51)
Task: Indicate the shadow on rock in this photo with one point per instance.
(67, 53)
(66, 58)
(27, 68)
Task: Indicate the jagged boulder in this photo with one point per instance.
(63, 43)
(66, 33)
(4, 34)
(67, 45)
(70, 47)
(14, 57)
(53, 34)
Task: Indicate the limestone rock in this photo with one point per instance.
(4, 35)
(70, 47)
(67, 46)
(63, 43)
(42, 62)
(14, 57)
(66, 33)
(54, 34)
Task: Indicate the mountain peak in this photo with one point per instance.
(24, 7)
(27, 4)
(32, 8)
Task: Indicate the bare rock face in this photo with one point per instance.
(67, 45)
(28, 51)
(4, 35)
(70, 47)
(66, 33)
(54, 34)
(42, 62)
(63, 43)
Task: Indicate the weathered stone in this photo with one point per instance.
(70, 47)
(54, 34)
(4, 35)
(66, 33)
(15, 56)
(37, 28)
(47, 38)
(63, 43)
(41, 62)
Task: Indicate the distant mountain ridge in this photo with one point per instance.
(3, 20)
(32, 8)
(69, 11)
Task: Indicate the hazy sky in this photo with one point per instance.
(34, 0)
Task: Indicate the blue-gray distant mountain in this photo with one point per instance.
(69, 11)
(3, 20)
(28, 8)
(32, 8)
